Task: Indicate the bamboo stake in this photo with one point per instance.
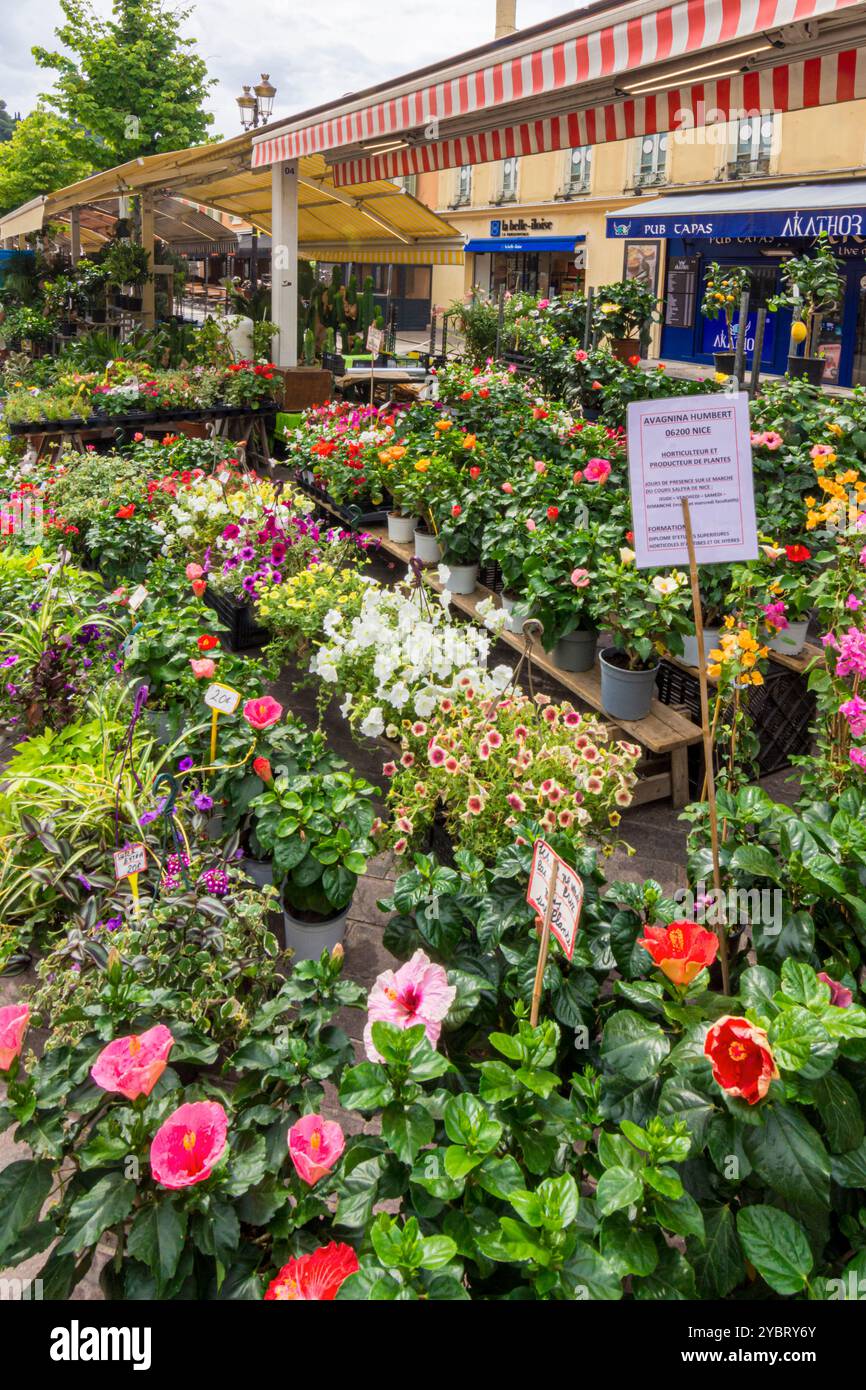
(543, 949)
(721, 930)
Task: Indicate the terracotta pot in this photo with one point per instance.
(624, 348)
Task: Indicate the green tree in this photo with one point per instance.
(7, 122)
(42, 154)
(131, 84)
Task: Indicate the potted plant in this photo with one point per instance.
(558, 575)
(126, 263)
(723, 290)
(715, 592)
(317, 830)
(623, 313)
(813, 286)
(645, 614)
(457, 527)
(790, 597)
(406, 484)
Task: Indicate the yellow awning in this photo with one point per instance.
(389, 254)
(28, 218)
(379, 214)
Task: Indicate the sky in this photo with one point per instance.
(314, 53)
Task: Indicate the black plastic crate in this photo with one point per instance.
(782, 711)
(237, 618)
(490, 575)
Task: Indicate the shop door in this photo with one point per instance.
(858, 370)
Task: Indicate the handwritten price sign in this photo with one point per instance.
(132, 859)
(222, 699)
(548, 869)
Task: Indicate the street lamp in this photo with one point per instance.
(255, 106)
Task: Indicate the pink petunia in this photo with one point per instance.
(418, 992)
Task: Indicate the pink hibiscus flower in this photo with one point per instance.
(263, 712)
(14, 1019)
(315, 1145)
(418, 992)
(188, 1144)
(133, 1065)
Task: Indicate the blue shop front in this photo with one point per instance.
(759, 228)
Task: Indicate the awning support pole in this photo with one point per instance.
(284, 262)
(148, 292)
(75, 234)
(755, 379)
(742, 329)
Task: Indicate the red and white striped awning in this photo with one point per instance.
(790, 87)
(576, 87)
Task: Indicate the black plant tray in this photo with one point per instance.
(782, 711)
(354, 516)
(243, 630)
(136, 418)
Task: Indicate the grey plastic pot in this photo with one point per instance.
(261, 871)
(401, 529)
(791, 640)
(462, 579)
(576, 650)
(427, 548)
(712, 637)
(625, 694)
(509, 603)
(309, 939)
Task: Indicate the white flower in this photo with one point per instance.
(327, 672)
(425, 703)
(346, 705)
(665, 584)
(374, 723)
(444, 573)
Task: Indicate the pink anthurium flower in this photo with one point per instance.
(263, 712)
(188, 1144)
(315, 1145)
(418, 992)
(14, 1019)
(134, 1064)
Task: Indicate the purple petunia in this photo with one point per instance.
(185, 764)
(10, 660)
(202, 802)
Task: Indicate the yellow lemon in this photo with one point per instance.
(798, 331)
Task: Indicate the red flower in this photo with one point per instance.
(207, 642)
(629, 535)
(552, 513)
(466, 395)
(596, 386)
(475, 471)
(634, 361)
(539, 414)
(314, 1278)
(743, 1064)
(126, 512)
(262, 768)
(456, 509)
(681, 951)
(798, 553)
(484, 393)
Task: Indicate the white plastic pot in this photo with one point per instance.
(427, 548)
(462, 579)
(401, 529)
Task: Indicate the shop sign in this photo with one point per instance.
(714, 226)
(715, 338)
(519, 226)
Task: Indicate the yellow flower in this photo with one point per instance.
(729, 621)
(757, 678)
(714, 671)
(422, 465)
(614, 818)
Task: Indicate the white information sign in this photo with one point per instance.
(567, 899)
(375, 337)
(222, 698)
(696, 447)
(132, 859)
(136, 598)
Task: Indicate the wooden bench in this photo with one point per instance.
(665, 734)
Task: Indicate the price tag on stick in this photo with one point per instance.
(556, 893)
(220, 699)
(129, 862)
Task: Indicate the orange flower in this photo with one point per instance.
(681, 951)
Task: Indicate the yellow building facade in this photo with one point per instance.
(546, 197)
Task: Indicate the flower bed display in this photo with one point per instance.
(654, 1137)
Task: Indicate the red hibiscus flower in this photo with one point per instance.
(742, 1062)
(681, 951)
(552, 513)
(798, 553)
(126, 512)
(315, 1277)
(262, 768)
(207, 642)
